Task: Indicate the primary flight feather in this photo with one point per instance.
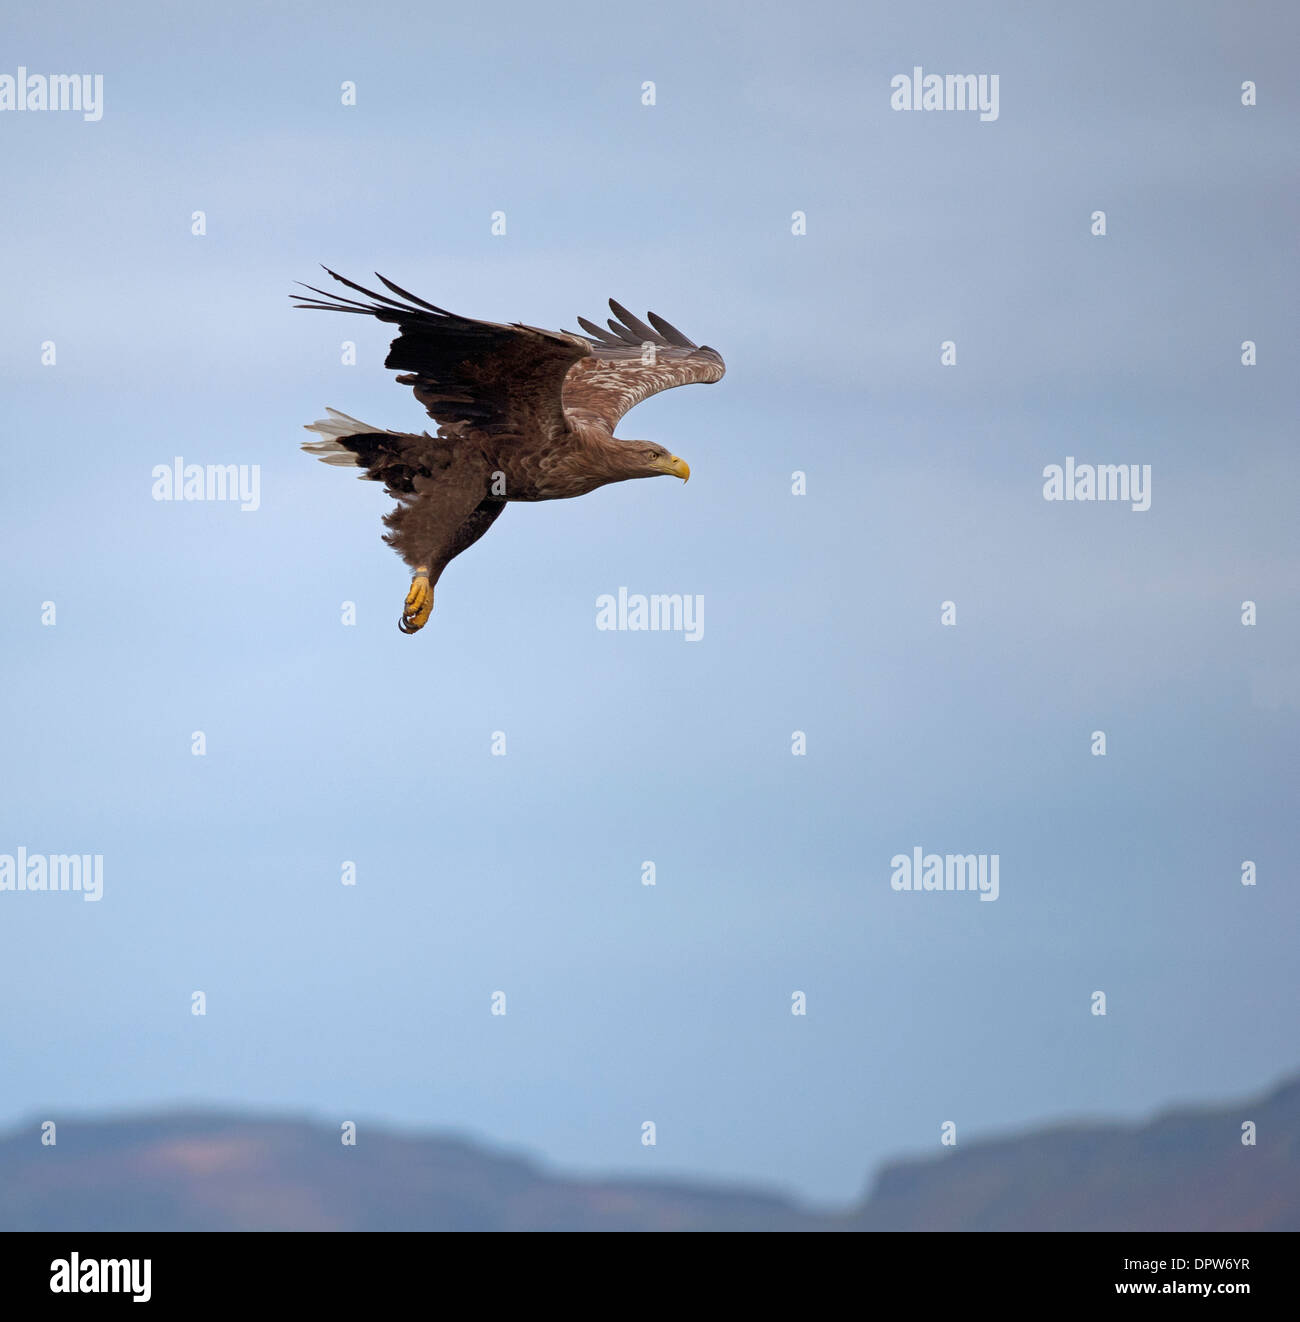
(522, 414)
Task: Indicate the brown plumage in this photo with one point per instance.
(522, 414)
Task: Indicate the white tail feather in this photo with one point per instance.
(334, 430)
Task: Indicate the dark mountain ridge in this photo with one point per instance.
(208, 1170)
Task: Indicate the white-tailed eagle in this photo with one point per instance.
(522, 414)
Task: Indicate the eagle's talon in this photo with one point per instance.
(418, 606)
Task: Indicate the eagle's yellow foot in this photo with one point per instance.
(419, 603)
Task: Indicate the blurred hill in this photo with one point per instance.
(1186, 1170)
(216, 1171)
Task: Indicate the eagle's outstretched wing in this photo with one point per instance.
(632, 361)
(504, 380)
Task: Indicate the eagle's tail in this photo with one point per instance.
(334, 432)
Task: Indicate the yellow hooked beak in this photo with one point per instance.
(675, 467)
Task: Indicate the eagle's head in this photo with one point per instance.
(653, 460)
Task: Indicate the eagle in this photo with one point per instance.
(522, 414)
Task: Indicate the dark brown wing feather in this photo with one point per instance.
(504, 380)
(632, 361)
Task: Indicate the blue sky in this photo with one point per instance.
(522, 873)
